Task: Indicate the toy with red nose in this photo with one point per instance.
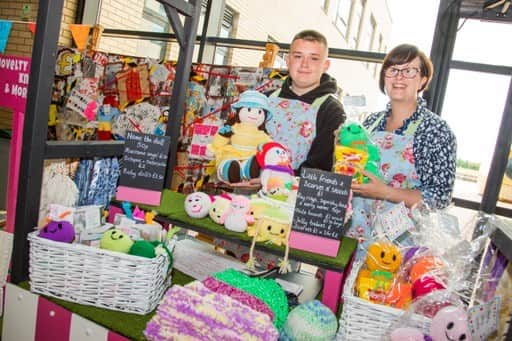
(59, 231)
(450, 324)
(197, 204)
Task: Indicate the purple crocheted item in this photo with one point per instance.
(198, 313)
(239, 295)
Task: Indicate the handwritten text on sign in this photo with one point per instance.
(144, 161)
(321, 203)
(14, 74)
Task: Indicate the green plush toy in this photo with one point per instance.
(116, 240)
(143, 248)
(355, 151)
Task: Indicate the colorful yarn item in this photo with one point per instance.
(266, 290)
(197, 313)
(310, 321)
(239, 295)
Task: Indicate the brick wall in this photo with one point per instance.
(20, 40)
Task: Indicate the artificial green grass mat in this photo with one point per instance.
(172, 208)
(126, 324)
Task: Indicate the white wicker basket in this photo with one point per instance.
(93, 276)
(364, 320)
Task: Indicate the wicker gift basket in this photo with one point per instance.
(364, 320)
(97, 277)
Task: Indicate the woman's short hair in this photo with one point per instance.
(403, 54)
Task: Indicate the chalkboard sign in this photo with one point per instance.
(321, 203)
(144, 161)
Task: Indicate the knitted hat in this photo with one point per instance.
(264, 148)
(252, 99)
(310, 321)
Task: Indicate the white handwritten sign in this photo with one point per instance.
(321, 203)
(144, 161)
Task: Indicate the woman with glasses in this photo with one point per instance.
(417, 148)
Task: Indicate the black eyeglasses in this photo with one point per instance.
(408, 72)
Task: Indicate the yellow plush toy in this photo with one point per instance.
(273, 227)
(234, 145)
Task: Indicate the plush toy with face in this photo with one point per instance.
(234, 145)
(383, 256)
(220, 208)
(449, 324)
(197, 204)
(274, 227)
(59, 231)
(239, 216)
(116, 240)
(355, 151)
(277, 176)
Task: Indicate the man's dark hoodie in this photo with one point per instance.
(330, 116)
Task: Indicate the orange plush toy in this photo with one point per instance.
(382, 262)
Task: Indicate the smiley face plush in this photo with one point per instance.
(274, 227)
(383, 256)
(59, 231)
(116, 240)
(450, 324)
(197, 204)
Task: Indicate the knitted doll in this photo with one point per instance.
(277, 177)
(234, 145)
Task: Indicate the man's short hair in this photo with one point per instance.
(311, 35)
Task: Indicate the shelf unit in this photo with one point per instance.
(36, 148)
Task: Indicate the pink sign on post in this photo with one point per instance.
(14, 167)
(14, 74)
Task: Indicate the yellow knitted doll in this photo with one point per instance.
(234, 145)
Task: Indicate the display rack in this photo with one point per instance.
(36, 148)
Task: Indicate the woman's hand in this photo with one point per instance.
(374, 189)
(377, 189)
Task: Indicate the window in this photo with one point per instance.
(342, 16)
(227, 30)
(376, 66)
(356, 23)
(154, 19)
(370, 33)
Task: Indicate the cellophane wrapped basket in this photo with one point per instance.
(97, 277)
(364, 320)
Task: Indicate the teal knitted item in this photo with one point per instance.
(266, 290)
(310, 321)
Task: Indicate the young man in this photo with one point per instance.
(306, 113)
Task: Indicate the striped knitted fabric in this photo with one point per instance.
(197, 313)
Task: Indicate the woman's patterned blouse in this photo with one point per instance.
(434, 150)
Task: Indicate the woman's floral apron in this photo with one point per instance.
(397, 170)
